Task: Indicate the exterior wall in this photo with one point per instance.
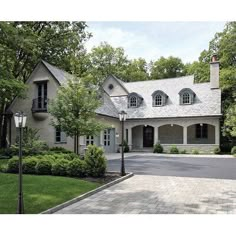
(117, 90)
(192, 136)
(170, 134)
(202, 148)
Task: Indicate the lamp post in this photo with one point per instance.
(122, 117)
(20, 120)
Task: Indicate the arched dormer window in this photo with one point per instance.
(159, 98)
(134, 100)
(186, 96)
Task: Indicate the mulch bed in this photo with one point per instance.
(109, 176)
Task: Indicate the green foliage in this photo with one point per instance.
(158, 148)
(59, 150)
(230, 121)
(170, 67)
(217, 150)
(60, 167)
(43, 167)
(174, 150)
(126, 146)
(183, 151)
(76, 168)
(29, 165)
(233, 150)
(13, 165)
(73, 109)
(195, 151)
(95, 161)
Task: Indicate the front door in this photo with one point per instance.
(148, 136)
(109, 140)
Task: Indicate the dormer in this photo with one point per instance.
(159, 98)
(134, 100)
(186, 96)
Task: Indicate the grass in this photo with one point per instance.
(40, 192)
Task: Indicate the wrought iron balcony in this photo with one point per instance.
(40, 105)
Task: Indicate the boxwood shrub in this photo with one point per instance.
(95, 161)
(158, 148)
(59, 167)
(174, 150)
(43, 167)
(29, 165)
(233, 150)
(13, 165)
(217, 150)
(76, 168)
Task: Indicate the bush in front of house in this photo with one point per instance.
(95, 161)
(59, 167)
(29, 165)
(43, 167)
(77, 168)
(174, 150)
(217, 150)
(183, 151)
(233, 150)
(158, 148)
(13, 165)
(195, 151)
(59, 150)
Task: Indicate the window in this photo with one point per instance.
(60, 136)
(107, 137)
(42, 95)
(127, 135)
(186, 98)
(89, 140)
(158, 100)
(133, 101)
(201, 131)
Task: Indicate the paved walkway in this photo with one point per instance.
(160, 195)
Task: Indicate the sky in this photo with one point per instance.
(151, 40)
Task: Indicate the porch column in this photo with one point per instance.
(102, 138)
(156, 135)
(130, 142)
(217, 133)
(185, 135)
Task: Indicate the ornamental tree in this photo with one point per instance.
(73, 109)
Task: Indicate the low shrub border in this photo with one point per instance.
(81, 197)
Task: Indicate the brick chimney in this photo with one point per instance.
(214, 72)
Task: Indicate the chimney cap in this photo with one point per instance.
(214, 58)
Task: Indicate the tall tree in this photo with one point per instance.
(23, 44)
(74, 108)
(106, 60)
(167, 68)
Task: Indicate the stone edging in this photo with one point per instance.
(83, 196)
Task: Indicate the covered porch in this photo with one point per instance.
(185, 134)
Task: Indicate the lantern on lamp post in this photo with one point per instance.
(122, 117)
(20, 121)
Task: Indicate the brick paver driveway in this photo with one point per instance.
(205, 187)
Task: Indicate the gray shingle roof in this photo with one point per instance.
(60, 75)
(207, 101)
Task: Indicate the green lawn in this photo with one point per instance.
(40, 192)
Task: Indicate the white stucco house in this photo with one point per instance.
(174, 111)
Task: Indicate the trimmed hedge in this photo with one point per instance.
(29, 165)
(95, 161)
(43, 167)
(13, 165)
(77, 168)
(60, 167)
(158, 148)
(174, 150)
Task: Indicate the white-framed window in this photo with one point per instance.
(89, 140)
(107, 137)
(186, 98)
(133, 101)
(158, 100)
(60, 136)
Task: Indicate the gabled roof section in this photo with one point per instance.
(120, 82)
(60, 75)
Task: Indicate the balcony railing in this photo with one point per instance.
(40, 105)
